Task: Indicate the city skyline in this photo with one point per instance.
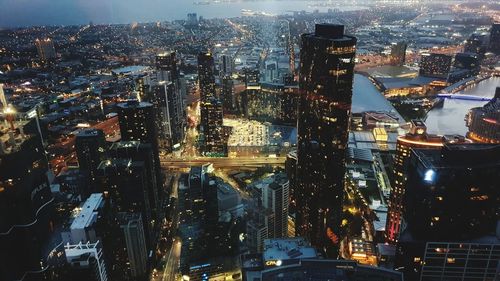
(250, 140)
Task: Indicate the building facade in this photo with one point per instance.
(326, 77)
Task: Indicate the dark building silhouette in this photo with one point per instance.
(212, 127)
(451, 210)
(137, 122)
(206, 76)
(326, 76)
(126, 183)
(166, 64)
(476, 44)
(91, 150)
(142, 152)
(495, 38)
(26, 203)
(416, 138)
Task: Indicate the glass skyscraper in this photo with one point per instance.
(326, 77)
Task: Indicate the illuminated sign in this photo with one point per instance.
(274, 263)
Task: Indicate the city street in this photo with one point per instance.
(221, 162)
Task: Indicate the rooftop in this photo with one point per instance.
(88, 211)
(288, 248)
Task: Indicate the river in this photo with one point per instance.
(450, 118)
(366, 97)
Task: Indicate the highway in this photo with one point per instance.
(221, 162)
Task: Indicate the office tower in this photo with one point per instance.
(166, 64)
(468, 61)
(465, 65)
(169, 114)
(227, 95)
(126, 183)
(495, 38)
(272, 102)
(26, 202)
(90, 146)
(212, 127)
(85, 262)
(142, 152)
(275, 197)
(137, 123)
(192, 20)
(435, 65)
(326, 76)
(416, 138)
(398, 53)
(475, 44)
(135, 241)
(226, 65)
(206, 78)
(484, 122)
(45, 49)
(268, 216)
(451, 208)
(198, 213)
(3, 99)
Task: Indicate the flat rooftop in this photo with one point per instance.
(87, 212)
(288, 248)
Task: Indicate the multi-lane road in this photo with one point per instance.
(221, 162)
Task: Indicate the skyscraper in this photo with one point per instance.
(495, 38)
(451, 208)
(166, 64)
(212, 127)
(435, 65)
(135, 243)
(326, 76)
(126, 183)
(398, 53)
(26, 202)
(90, 148)
(142, 152)
(416, 138)
(206, 78)
(169, 118)
(227, 94)
(45, 49)
(275, 197)
(226, 65)
(137, 123)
